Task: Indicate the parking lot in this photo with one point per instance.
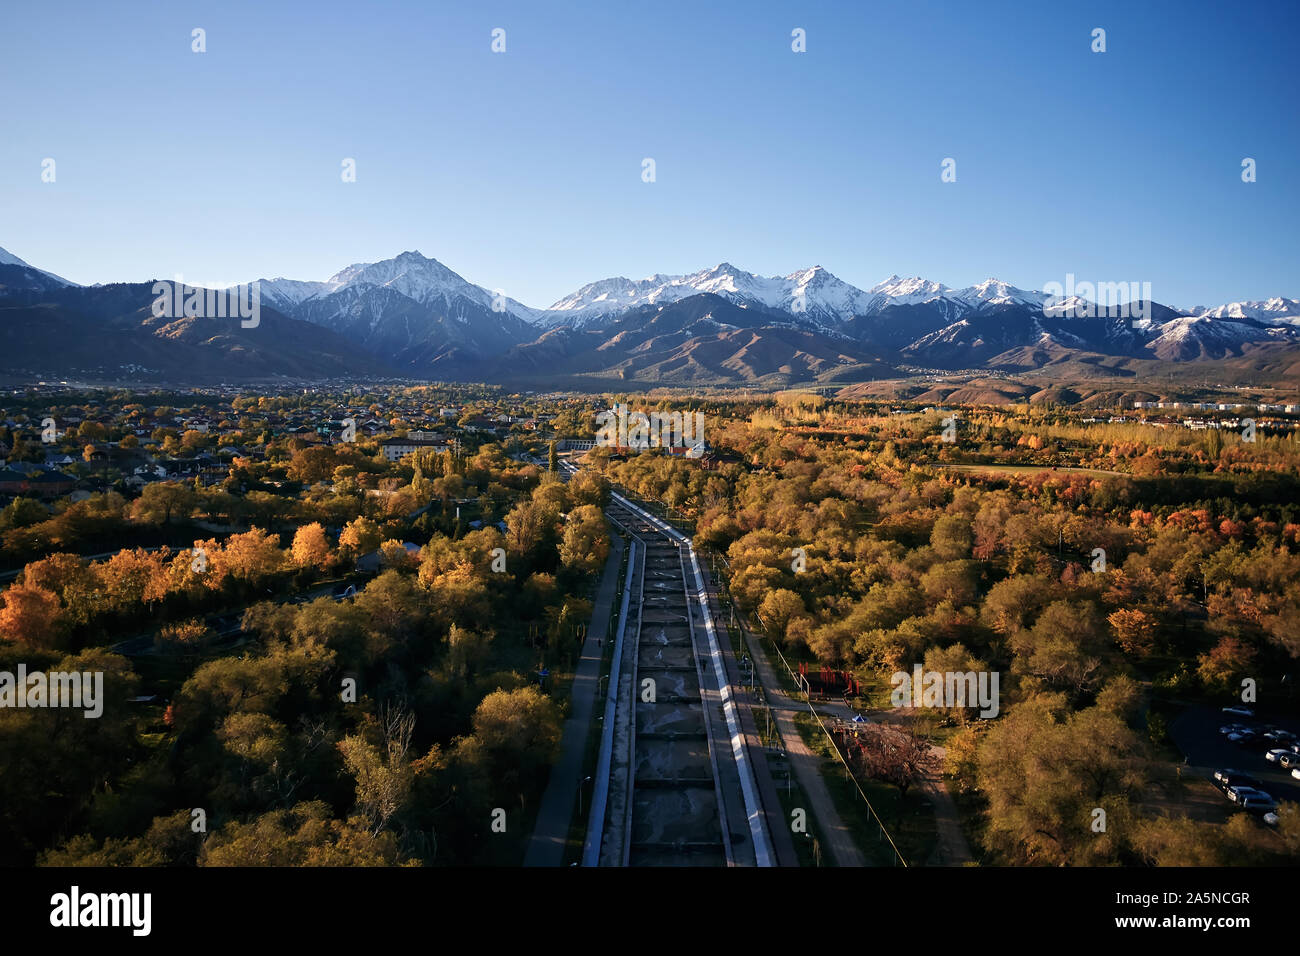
(1196, 733)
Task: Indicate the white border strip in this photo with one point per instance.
(600, 793)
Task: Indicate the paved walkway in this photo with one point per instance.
(551, 833)
(806, 764)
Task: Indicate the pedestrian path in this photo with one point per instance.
(551, 833)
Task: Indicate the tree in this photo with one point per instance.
(1063, 649)
(527, 524)
(516, 735)
(779, 608)
(1178, 841)
(304, 835)
(951, 537)
(31, 616)
(1220, 667)
(1135, 631)
(585, 544)
(1045, 771)
(359, 536)
(383, 772)
(169, 841)
(894, 755)
(56, 573)
(191, 635)
(161, 501)
(393, 554)
(1013, 602)
(22, 512)
(251, 557)
(551, 458)
(313, 463)
(467, 650)
(310, 548)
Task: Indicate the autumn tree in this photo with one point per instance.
(31, 616)
(1044, 771)
(304, 835)
(311, 548)
(585, 544)
(359, 536)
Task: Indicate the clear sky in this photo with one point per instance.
(522, 170)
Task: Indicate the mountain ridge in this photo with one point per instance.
(415, 316)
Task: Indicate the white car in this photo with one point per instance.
(1274, 755)
(1271, 818)
(1296, 773)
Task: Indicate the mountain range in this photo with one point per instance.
(412, 317)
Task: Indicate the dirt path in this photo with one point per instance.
(806, 764)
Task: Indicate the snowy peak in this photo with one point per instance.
(813, 293)
(896, 287)
(1264, 310)
(9, 259)
(411, 275)
(997, 292)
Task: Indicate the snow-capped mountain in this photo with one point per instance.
(811, 294)
(1275, 309)
(9, 259)
(415, 309)
(1191, 337)
(411, 310)
(814, 293)
(415, 316)
(411, 275)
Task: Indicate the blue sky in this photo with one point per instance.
(522, 170)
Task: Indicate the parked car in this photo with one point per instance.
(1241, 793)
(1296, 773)
(1233, 778)
(1232, 728)
(1275, 755)
(1258, 803)
(1279, 736)
(1271, 818)
(1243, 737)
(1288, 760)
(1239, 711)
